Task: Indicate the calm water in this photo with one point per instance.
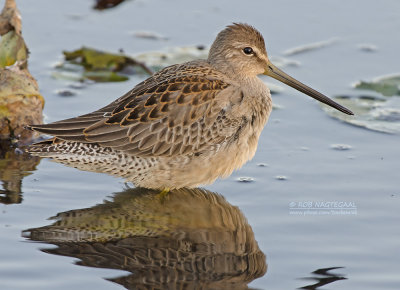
(289, 212)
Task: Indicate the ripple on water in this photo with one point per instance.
(341, 147)
(262, 164)
(66, 93)
(368, 47)
(245, 179)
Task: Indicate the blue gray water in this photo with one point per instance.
(300, 168)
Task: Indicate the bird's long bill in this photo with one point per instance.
(276, 73)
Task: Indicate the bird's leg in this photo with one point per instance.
(163, 194)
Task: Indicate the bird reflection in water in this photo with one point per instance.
(14, 166)
(189, 239)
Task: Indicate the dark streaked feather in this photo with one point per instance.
(156, 117)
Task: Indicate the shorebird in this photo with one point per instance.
(186, 125)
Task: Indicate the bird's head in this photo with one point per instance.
(239, 50)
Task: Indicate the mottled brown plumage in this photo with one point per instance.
(185, 126)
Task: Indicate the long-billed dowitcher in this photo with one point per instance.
(184, 126)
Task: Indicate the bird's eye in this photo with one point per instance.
(248, 50)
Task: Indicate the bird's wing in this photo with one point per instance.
(163, 116)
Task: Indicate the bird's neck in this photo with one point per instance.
(232, 72)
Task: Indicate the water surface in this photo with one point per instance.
(299, 166)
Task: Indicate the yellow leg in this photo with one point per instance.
(163, 194)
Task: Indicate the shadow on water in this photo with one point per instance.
(188, 239)
(323, 277)
(14, 166)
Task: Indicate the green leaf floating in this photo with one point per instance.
(386, 85)
(369, 112)
(378, 112)
(99, 66)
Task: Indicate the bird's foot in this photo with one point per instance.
(163, 194)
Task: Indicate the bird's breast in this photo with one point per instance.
(253, 112)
